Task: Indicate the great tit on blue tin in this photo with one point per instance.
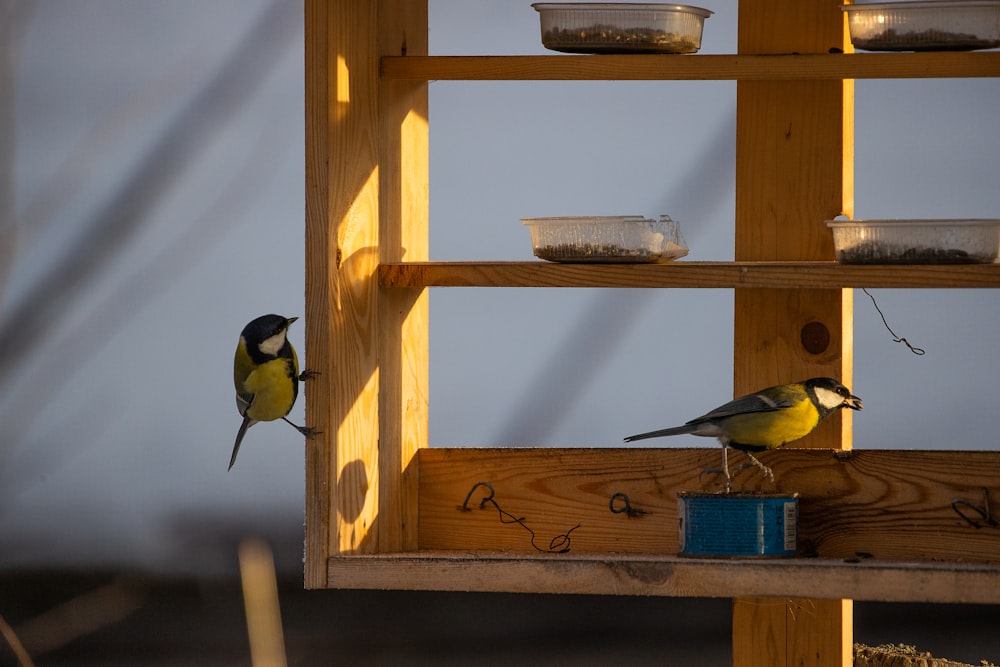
(266, 375)
(768, 419)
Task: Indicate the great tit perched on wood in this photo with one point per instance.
(266, 375)
(768, 419)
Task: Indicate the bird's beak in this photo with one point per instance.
(289, 321)
(853, 402)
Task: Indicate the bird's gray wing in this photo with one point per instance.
(243, 401)
(744, 405)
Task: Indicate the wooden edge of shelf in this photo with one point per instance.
(694, 67)
(670, 576)
(685, 274)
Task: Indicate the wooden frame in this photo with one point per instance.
(384, 511)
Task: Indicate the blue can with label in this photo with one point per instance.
(738, 524)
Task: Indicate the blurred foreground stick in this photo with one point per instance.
(260, 597)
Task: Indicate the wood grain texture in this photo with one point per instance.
(793, 626)
(402, 330)
(354, 215)
(786, 579)
(555, 490)
(684, 274)
(319, 244)
(366, 201)
(794, 168)
(744, 67)
(889, 504)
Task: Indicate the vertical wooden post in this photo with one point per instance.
(403, 316)
(320, 242)
(794, 169)
(366, 202)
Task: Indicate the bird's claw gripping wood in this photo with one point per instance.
(724, 470)
(717, 471)
(754, 463)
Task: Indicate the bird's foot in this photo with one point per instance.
(308, 374)
(718, 471)
(752, 462)
(304, 430)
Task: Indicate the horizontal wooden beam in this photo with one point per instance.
(700, 67)
(686, 274)
(879, 525)
(670, 576)
(887, 504)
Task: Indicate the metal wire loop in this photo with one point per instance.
(982, 517)
(559, 544)
(626, 506)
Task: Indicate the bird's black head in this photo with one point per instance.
(265, 335)
(830, 395)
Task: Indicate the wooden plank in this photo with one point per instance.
(789, 579)
(366, 203)
(402, 332)
(555, 490)
(794, 165)
(701, 67)
(320, 241)
(684, 274)
(795, 626)
(886, 504)
(354, 164)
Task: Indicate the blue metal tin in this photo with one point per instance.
(738, 524)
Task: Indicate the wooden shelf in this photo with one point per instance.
(895, 504)
(606, 574)
(700, 67)
(686, 274)
(898, 505)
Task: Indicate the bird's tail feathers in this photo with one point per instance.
(247, 423)
(676, 430)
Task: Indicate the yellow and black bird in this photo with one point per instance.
(768, 419)
(266, 375)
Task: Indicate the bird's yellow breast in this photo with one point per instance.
(773, 429)
(274, 389)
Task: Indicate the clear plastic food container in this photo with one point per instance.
(630, 239)
(941, 25)
(621, 27)
(973, 241)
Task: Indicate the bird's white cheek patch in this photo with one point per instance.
(271, 346)
(827, 398)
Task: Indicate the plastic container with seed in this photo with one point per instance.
(621, 27)
(630, 239)
(970, 241)
(925, 25)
